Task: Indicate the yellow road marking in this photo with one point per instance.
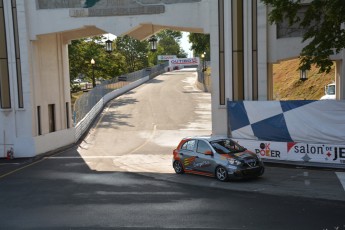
(147, 140)
(31, 164)
(19, 169)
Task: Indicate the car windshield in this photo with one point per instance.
(227, 146)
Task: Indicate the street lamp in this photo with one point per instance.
(108, 46)
(93, 73)
(203, 61)
(303, 75)
(153, 42)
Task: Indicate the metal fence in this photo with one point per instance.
(88, 100)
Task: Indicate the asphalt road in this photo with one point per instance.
(120, 176)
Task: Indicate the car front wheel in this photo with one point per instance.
(222, 174)
(178, 167)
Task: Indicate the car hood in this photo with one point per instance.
(241, 155)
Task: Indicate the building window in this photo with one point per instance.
(17, 50)
(5, 94)
(51, 117)
(39, 127)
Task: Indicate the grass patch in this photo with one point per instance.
(287, 86)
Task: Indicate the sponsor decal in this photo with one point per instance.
(311, 151)
(224, 156)
(300, 152)
(266, 151)
(201, 164)
(184, 61)
(188, 161)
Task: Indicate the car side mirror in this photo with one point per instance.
(209, 153)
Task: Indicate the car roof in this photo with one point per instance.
(208, 138)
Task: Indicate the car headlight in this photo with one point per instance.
(233, 161)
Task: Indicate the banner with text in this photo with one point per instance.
(184, 62)
(321, 122)
(292, 151)
(166, 57)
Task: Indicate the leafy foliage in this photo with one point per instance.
(168, 44)
(200, 44)
(322, 23)
(129, 55)
(134, 52)
(82, 51)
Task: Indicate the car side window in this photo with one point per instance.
(189, 145)
(203, 147)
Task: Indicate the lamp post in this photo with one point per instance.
(153, 42)
(205, 61)
(303, 75)
(203, 56)
(108, 46)
(93, 73)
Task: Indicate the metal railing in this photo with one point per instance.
(88, 100)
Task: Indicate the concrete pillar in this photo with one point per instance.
(220, 80)
(339, 82)
(262, 53)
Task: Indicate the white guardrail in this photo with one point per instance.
(82, 126)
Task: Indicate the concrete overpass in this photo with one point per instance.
(35, 113)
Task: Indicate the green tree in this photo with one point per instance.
(168, 44)
(107, 65)
(134, 52)
(322, 23)
(200, 44)
(76, 60)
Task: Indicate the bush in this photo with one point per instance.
(75, 88)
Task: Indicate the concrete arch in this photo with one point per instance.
(45, 28)
(243, 46)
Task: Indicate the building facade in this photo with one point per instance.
(35, 104)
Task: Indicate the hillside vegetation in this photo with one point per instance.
(288, 86)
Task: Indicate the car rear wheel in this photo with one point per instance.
(222, 174)
(178, 167)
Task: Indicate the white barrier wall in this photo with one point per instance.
(304, 121)
(298, 131)
(85, 123)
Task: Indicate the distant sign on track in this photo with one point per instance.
(184, 62)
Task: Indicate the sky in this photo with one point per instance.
(185, 44)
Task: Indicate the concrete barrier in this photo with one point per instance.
(82, 126)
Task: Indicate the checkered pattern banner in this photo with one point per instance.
(288, 121)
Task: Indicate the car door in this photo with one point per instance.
(187, 154)
(204, 162)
